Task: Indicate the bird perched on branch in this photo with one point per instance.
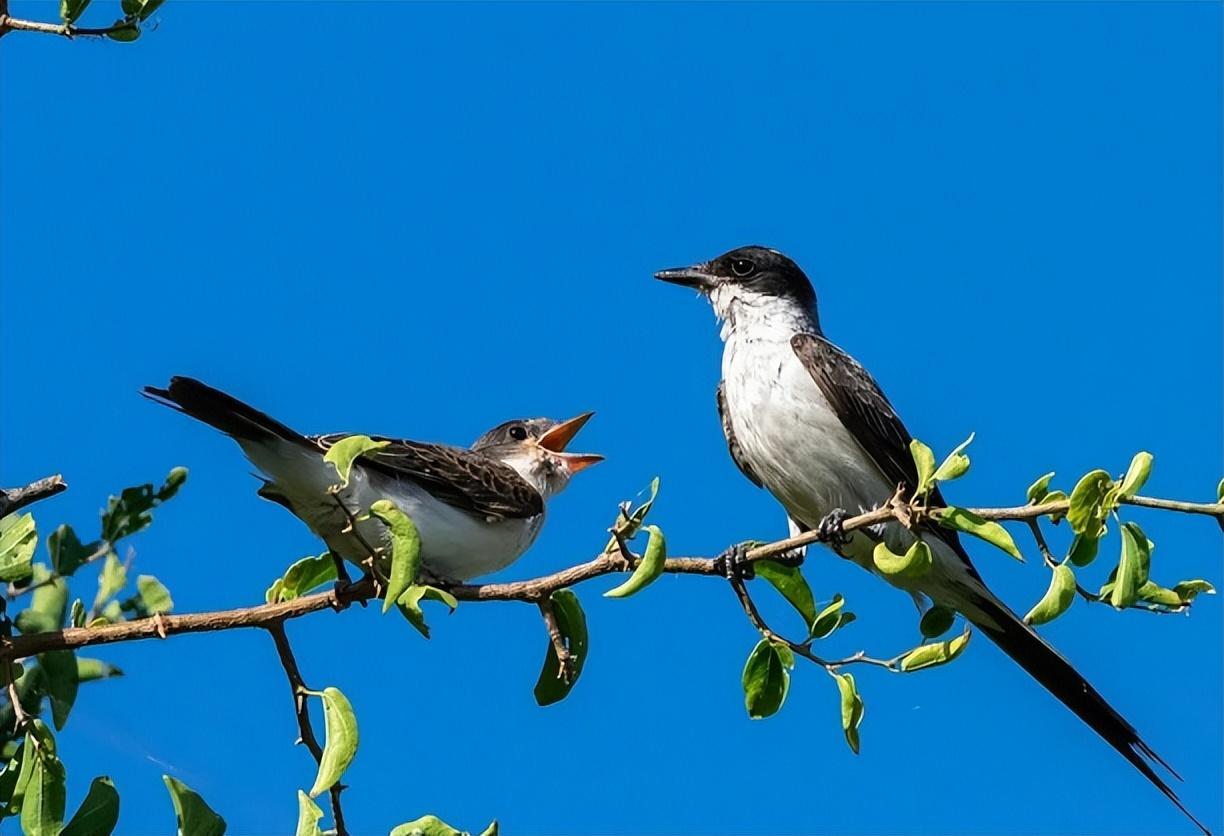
(809, 424)
(476, 510)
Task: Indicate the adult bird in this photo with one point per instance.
(809, 424)
(476, 510)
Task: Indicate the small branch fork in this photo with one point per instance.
(301, 707)
(529, 591)
(14, 499)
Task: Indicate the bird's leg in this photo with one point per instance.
(831, 531)
(734, 563)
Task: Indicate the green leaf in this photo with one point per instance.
(340, 739)
(124, 32)
(18, 539)
(830, 619)
(48, 604)
(409, 604)
(302, 577)
(13, 755)
(426, 826)
(1057, 599)
(1137, 474)
(131, 7)
(791, 584)
(649, 568)
(956, 464)
(344, 452)
(915, 563)
(174, 479)
(629, 524)
(194, 816)
(766, 678)
(1083, 549)
(309, 816)
(60, 675)
(924, 460)
(131, 511)
(551, 687)
(111, 579)
(1187, 590)
(936, 621)
(89, 670)
(405, 550)
(1088, 512)
(491, 830)
(851, 709)
(1154, 593)
(964, 520)
(151, 598)
(78, 613)
(70, 10)
(66, 552)
(98, 813)
(1056, 496)
(44, 793)
(1133, 566)
(938, 653)
(1037, 491)
(1220, 492)
(149, 7)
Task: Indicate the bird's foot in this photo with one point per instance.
(429, 578)
(793, 558)
(830, 528)
(734, 563)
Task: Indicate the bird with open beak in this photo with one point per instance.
(476, 509)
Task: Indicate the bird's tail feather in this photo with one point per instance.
(217, 409)
(1045, 664)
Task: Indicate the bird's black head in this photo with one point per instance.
(757, 270)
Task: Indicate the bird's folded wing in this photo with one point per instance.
(465, 480)
(866, 413)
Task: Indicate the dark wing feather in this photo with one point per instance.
(737, 455)
(866, 413)
(469, 481)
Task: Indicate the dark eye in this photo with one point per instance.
(518, 432)
(742, 267)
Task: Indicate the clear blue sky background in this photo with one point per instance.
(425, 219)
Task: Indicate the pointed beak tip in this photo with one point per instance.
(562, 434)
(581, 461)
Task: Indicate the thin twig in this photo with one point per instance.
(565, 660)
(13, 499)
(302, 709)
(13, 24)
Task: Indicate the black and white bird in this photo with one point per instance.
(809, 424)
(476, 510)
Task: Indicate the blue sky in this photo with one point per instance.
(425, 219)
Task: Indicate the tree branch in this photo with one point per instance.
(65, 30)
(301, 708)
(14, 499)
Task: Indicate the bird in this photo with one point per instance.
(809, 424)
(476, 510)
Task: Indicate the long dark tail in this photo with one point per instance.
(217, 409)
(1047, 666)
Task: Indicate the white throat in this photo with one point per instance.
(752, 317)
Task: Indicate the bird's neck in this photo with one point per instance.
(760, 318)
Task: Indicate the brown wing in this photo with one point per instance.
(737, 454)
(469, 481)
(866, 413)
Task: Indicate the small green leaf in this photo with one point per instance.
(851, 709)
(939, 653)
(1133, 566)
(1187, 590)
(791, 584)
(18, 539)
(111, 579)
(830, 618)
(148, 7)
(339, 740)
(123, 31)
(302, 577)
(1154, 593)
(44, 793)
(130, 7)
(309, 816)
(649, 568)
(70, 10)
(766, 678)
(98, 813)
(66, 552)
(151, 598)
(1137, 474)
(924, 460)
(405, 550)
(629, 524)
(915, 563)
(78, 613)
(174, 479)
(1088, 511)
(89, 670)
(409, 604)
(1056, 496)
(1220, 492)
(48, 604)
(344, 452)
(1057, 599)
(551, 687)
(60, 677)
(962, 519)
(936, 621)
(1083, 549)
(491, 830)
(426, 826)
(1038, 490)
(194, 816)
(132, 510)
(956, 464)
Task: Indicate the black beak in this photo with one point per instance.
(697, 277)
